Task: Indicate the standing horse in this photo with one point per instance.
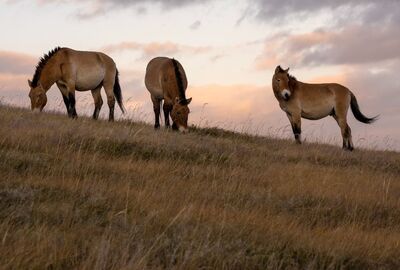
(316, 101)
(166, 79)
(76, 70)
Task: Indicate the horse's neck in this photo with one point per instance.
(50, 74)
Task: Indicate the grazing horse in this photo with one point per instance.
(76, 70)
(166, 80)
(316, 101)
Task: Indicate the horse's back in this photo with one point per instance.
(91, 68)
(156, 69)
(89, 57)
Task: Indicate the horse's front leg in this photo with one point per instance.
(64, 92)
(71, 98)
(295, 121)
(167, 107)
(157, 109)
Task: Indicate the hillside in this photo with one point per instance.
(80, 194)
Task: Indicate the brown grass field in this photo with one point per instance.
(81, 194)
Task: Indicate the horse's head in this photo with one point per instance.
(180, 113)
(281, 83)
(38, 97)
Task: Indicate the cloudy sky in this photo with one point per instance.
(229, 49)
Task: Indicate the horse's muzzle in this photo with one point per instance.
(183, 130)
(286, 96)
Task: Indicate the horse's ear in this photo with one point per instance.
(287, 70)
(188, 101)
(29, 83)
(278, 69)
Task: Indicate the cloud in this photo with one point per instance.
(195, 25)
(15, 69)
(164, 3)
(348, 46)
(153, 49)
(17, 63)
(353, 45)
(93, 8)
(231, 106)
(368, 11)
(13, 82)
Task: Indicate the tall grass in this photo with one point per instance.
(80, 194)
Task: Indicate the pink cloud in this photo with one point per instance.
(13, 82)
(17, 63)
(352, 45)
(156, 48)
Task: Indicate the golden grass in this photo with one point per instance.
(97, 195)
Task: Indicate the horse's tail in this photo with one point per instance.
(117, 92)
(358, 114)
(179, 81)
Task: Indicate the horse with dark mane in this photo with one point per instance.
(76, 71)
(166, 80)
(316, 101)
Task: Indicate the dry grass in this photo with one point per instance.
(97, 195)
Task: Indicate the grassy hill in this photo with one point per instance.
(80, 194)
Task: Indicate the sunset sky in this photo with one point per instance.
(229, 50)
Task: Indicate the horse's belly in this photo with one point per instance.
(316, 114)
(89, 80)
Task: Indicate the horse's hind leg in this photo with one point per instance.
(98, 102)
(110, 99)
(345, 130)
(157, 109)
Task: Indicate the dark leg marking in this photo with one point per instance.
(157, 116)
(297, 133)
(111, 116)
(167, 110)
(96, 113)
(347, 135)
(72, 111)
(67, 104)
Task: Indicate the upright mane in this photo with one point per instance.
(42, 63)
(182, 96)
(292, 82)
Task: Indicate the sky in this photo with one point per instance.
(229, 49)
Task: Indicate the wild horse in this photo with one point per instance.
(316, 101)
(76, 70)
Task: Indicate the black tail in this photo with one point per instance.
(179, 81)
(117, 92)
(358, 114)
